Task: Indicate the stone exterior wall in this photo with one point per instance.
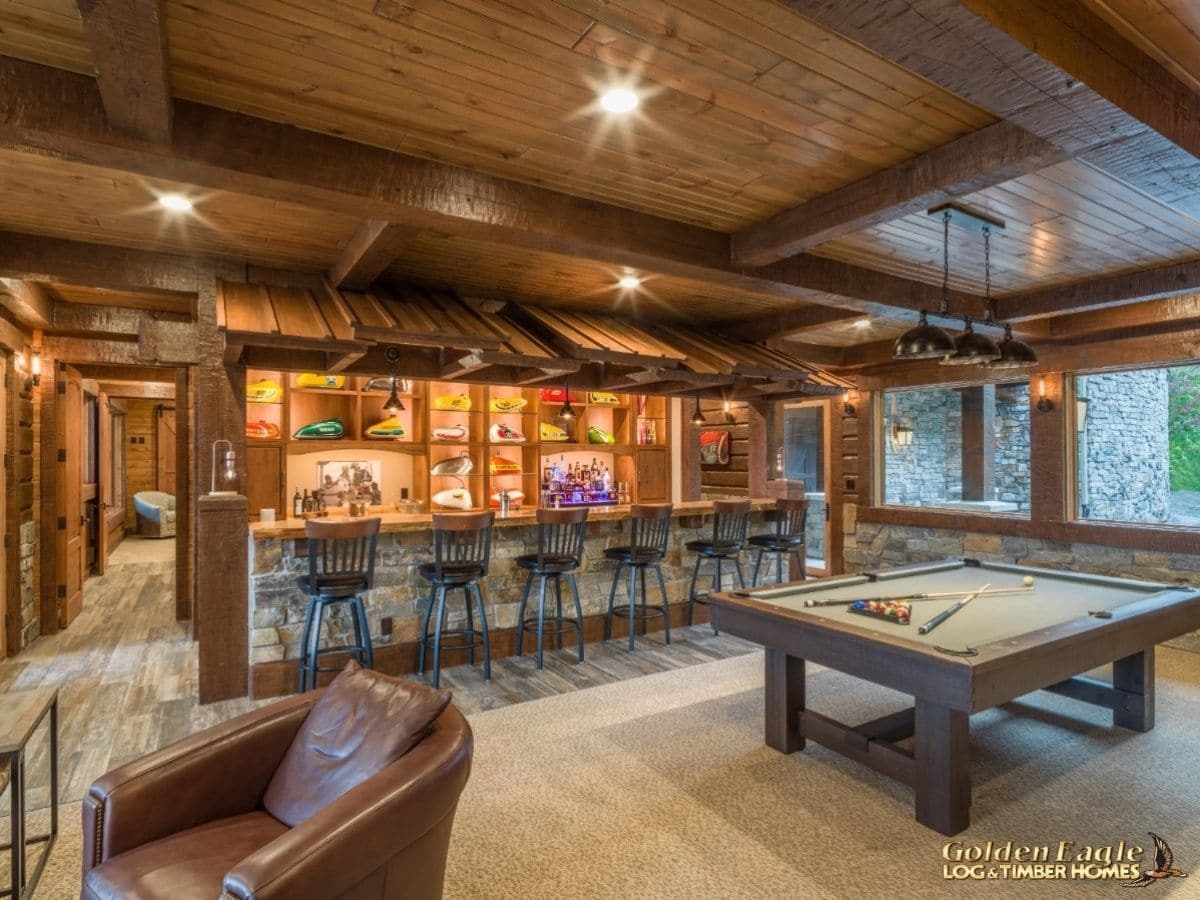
(929, 471)
(875, 545)
(1123, 449)
(30, 620)
(277, 606)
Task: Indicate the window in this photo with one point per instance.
(961, 448)
(117, 462)
(1137, 446)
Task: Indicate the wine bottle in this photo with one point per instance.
(297, 505)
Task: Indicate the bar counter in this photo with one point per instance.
(278, 560)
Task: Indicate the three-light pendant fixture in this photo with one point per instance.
(927, 341)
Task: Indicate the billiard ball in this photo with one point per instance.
(1027, 581)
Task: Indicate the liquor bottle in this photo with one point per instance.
(306, 502)
(297, 505)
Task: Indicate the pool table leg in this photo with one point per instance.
(1133, 676)
(784, 701)
(943, 767)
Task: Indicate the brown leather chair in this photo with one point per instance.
(192, 820)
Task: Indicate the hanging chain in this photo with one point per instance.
(987, 272)
(945, 262)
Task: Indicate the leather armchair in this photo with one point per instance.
(188, 820)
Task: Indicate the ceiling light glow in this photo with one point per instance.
(628, 282)
(175, 202)
(619, 100)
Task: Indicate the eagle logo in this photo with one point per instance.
(1164, 865)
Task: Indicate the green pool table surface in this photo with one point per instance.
(1053, 599)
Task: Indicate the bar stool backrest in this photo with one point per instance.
(731, 518)
(341, 550)
(650, 526)
(462, 539)
(560, 534)
(791, 516)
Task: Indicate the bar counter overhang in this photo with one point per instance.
(278, 557)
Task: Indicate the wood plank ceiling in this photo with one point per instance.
(749, 110)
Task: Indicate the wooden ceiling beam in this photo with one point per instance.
(34, 258)
(29, 302)
(148, 374)
(128, 43)
(46, 110)
(1031, 89)
(373, 247)
(1102, 293)
(138, 390)
(982, 159)
(787, 322)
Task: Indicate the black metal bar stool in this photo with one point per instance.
(790, 516)
(559, 553)
(462, 549)
(731, 518)
(649, 530)
(341, 567)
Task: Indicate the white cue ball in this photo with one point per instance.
(1028, 580)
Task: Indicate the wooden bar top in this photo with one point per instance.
(395, 522)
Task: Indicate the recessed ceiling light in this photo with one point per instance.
(628, 282)
(175, 202)
(862, 323)
(619, 100)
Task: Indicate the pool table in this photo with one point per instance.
(993, 650)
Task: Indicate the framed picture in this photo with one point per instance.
(714, 447)
(340, 481)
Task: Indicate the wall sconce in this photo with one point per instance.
(902, 435)
(848, 408)
(1081, 408)
(32, 371)
(224, 475)
(1044, 404)
(730, 418)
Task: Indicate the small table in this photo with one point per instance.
(21, 714)
(999, 648)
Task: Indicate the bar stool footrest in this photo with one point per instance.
(639, 612)
(563, 623)
(468, 638)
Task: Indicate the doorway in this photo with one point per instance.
(806, 458)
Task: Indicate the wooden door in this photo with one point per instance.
(104, 452)
(71, 515)
(165, 450)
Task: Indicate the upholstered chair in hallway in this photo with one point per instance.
(155, 513)
(347, 792)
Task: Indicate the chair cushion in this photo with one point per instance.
(635, 555)
(775, 542)
(714, 548)
(364, 722)
(452, 573)
(338, 586)
(190, 864)
(552, 563)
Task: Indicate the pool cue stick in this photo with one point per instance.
(947, 613)
(996, 593)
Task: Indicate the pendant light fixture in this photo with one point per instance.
(971, 348)
(929, 341)
(697, 416)
(566, 411)
(394, 406)
(1014, 354)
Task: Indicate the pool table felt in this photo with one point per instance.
(1052, 601)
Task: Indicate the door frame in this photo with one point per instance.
(832, 497)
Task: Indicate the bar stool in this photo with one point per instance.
(559, 553)
(341, 567)
(790, 516)
(462, 549)
(649, 530)
(731, 518)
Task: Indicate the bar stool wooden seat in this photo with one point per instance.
(341, 568)
(649, 531)
(731, 519)
(789, 516)
(462, 549)
(559, 553)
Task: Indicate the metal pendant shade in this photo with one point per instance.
(1014, 354)
(972, 348)
(923, 342)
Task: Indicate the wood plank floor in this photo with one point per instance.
(126, 673)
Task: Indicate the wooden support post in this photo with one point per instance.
(223, 625)
(48, 519)
(184, 531)
(978, 445)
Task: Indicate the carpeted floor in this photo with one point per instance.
(661, 787)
